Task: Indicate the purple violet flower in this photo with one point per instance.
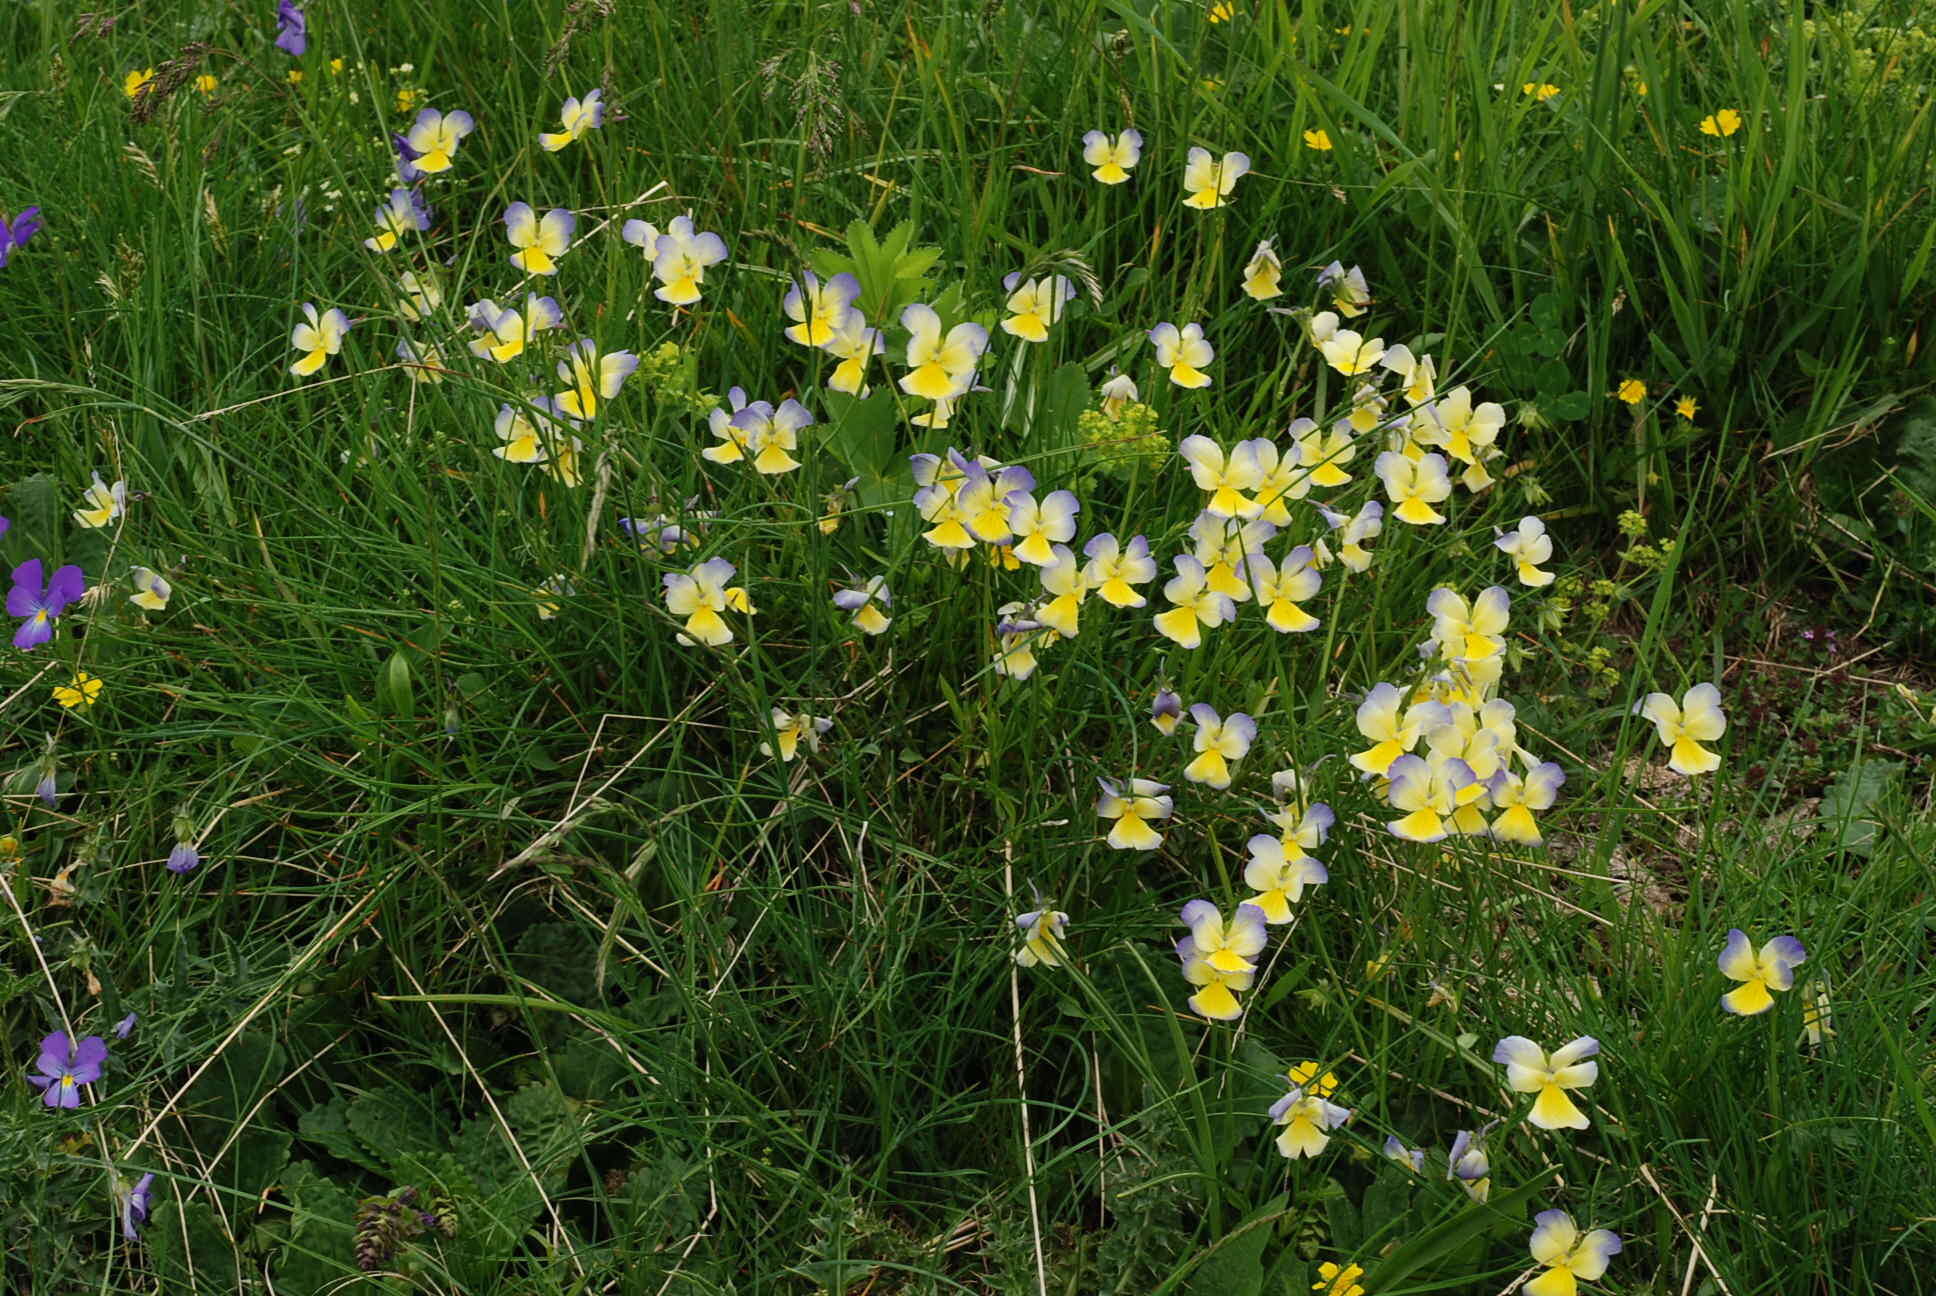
(65, 1066)
(184, 858)
(134, 1210)
(293, 37)
(408, 172)
(15, 235)
(125, 1027)
(41, 605)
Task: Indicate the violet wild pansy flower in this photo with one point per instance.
(65, 1066)
(39, 604)
(135, 1207)
(293, 36)
(184, 858)
(16, 234)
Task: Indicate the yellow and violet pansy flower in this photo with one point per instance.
(1817, 1017)
(1037, 527)
(404, 214)
(539, 241)
(1773, 968)
(1683, 728)
(1195, 604)
(1530, 1069)
(771, 434)
(1114, 570)
(151, 589)
(1017, 634)
(940, 367)
(434, 137)
(1517, 798)
(1350, 294)
(1207, 181)
(680, 258)
(593, 378)
(1225, 547)
(420, 296)
(818, 310)
(1392, 727)
(868, 601)
(1569, 1256)
(1412, 1159)
(1307, 1120)
(1528, 546)
(1263, 275)
(1134, 806)
(1217, 956)
(1166, 709)
(1278, 872)
(1469, 631)
(1429, 792)
(792, 730)
(1279, 590)
(1183, 352)
(1350, 352)
(318, 338)
(528, 435)
(506, 331)
(1465, 431)
(1066, 586)
(1116, 391)
(1112, 156)
(1223, 478)
(1042, 933)
(1414, 486)
(577, 117)
(547, 596)
(1418, 375)
(853, 343)
(1321, 455)
(422, 363)
(1218, 741)
(1280, 477)
(1468, 1163)
(82, 691)
(101, 504)
(700, 595)
(1035, 304)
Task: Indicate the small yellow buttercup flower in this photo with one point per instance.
(1632, 391)
(1318, 139)
(1686, 408)
(206, 83)
(136, 81)
(81, 693)
(1724, 123)
(1335, 1281)
(1540, 90)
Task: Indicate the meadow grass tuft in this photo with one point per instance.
(451, 925)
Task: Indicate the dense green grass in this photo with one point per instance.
(511, 911)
